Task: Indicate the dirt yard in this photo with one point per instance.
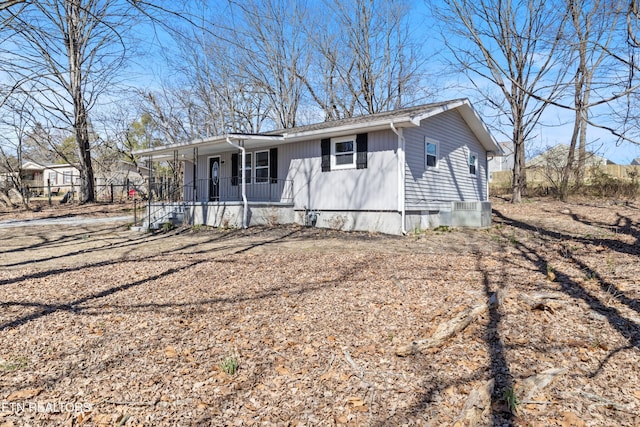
(100, 326)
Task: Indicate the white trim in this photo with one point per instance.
(428, 140)
(438, 110)
(475, 165)
(401, 177)
(209, 173)
(255, 167)
(245, 203)
(255, 141)
(243, 167)
(334, 141)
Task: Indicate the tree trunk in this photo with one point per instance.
(582, 145)
(519, 182)
(80, 122)
(567, 168)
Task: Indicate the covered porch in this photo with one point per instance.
(229, 181)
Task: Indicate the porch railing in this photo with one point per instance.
(205, 190)
(230, 190)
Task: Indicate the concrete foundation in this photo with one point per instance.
(230, 215)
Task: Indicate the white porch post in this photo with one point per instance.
(244, 182)
(401, 178)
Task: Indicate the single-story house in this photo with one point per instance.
(556, 157)
(122, 177)
(120, 173)
(504, 161)
(390, 172)
(60, 177)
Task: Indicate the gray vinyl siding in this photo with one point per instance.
(374, 188)
(431, 188)
(188, 173)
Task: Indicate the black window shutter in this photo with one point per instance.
(234, 169)
(361, 150)
(273, 165)
(325, 146)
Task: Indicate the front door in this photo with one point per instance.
(214, 179)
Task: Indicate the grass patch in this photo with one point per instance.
(167, 226)
(230, 365)
(512, 401)
(13, 364)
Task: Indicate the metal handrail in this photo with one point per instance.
(230, 190)
(268, 190)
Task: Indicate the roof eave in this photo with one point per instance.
(467, 112)
(479, 128)
(350, 128)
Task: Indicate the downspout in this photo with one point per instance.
(486, 174)
(401, 177)
(244, 184)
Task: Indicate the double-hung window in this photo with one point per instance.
(66, 177)
(262, 166)
(259, 166)
(343, 153)
(247, 168)
(473, 162)
(430, 153)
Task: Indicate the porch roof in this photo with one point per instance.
(406, 117)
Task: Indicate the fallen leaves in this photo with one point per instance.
(28, 393)
(170, 352)
(315, 317)
(357, 404)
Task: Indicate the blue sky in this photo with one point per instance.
(555, 126)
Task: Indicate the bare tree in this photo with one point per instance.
(512, 47)
(69, 51)
(9, 3)
(221, 98)
(364, 58)
(632, 18)
(269, 33)
(14, 125)
(593, 33)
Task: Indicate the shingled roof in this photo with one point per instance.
(409, 112)
(404, 117)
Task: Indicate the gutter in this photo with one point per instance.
(245, 209)
(401, 177)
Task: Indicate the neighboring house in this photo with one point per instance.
(636, 162)
(120, 179)
(389, 172)
(503, 161)
(556, 157)
(61, 177)
(122, 173)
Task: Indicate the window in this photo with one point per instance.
(430, 153)
(66, 177)
(473, 163)
(343, 153)
(262, 166)
(247, 168)
(52, 178)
